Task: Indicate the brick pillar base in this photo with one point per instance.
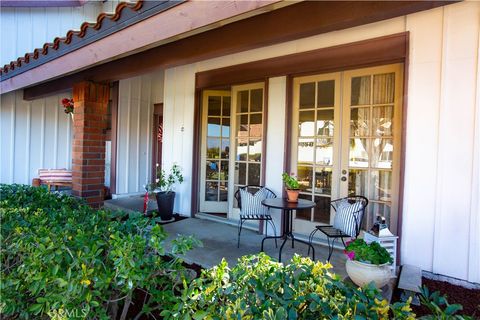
(88, 156)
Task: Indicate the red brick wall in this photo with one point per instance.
(88, 156)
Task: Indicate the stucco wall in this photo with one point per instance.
(441, 223)
(33, 134)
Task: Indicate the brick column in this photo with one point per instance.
(88, 156)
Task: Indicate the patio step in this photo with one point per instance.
(410, 282)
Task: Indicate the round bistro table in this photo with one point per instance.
(287, 210)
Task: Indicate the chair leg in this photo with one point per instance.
(274, 232)
(310, 238)
(240, 224)
(330, 247)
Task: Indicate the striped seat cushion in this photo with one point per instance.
(252, 203)
(346, 216)
(55, 175)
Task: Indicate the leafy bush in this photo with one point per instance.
(260, 288)
(61, 258)
(439, 306)
(372, 253)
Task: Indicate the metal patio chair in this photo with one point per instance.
(349, 212)
(249, 200)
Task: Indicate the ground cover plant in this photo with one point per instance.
(61, 259)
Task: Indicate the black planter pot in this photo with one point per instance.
(165, 201)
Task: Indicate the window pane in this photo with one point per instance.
(382, 153)
(214, 106)
(357, 182)
(213, 148)
(255, 150)
(306, 123)
(240, 173)
(307, 95)
(213, 127)
(360, 91)
(253, 174)
(321, 211)
(211, 191)
(382, 121)
(325, 123)
(226, 106)
(223, 170)
(383, 88)
(225, 149)
(226, 127)
(359, 122)
(242, 126)
(358, 153)
(223, 191)
(256, 100)
(323, 181)
(304, 214)
(242, 149)
(324, 151)
(256, 125)
(242, 101)
(381, 182)
(212, 170)
(326, 94)
(305, 150)
(304, 175)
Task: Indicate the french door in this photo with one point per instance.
(232, 146)
(346, 140)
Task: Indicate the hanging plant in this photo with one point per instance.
(67, 105)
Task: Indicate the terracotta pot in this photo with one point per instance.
(363, 273)
(292, 195)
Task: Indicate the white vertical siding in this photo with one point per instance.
(135, 119)
(25, 29)
(33, 135)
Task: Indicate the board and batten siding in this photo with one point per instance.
(441, 219)
(137, 97)
(27, 28)
(33, 135)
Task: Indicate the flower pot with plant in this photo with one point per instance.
(164, 193)
(291, 186)
(367, 263)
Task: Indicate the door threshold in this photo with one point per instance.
(206, 216)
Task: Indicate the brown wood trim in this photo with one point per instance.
(382, 50)
(157, 114)
(295, 21)
(114, 126)
(158, 109)
(264, 144)
(196, 152)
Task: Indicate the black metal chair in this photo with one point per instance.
(252, 208)
(349, 212)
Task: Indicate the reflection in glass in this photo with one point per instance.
(223, 170)
(226, 127)
(359, 122)
(357, 182)
(213, 127)
(213, 148)
(321, 211)
(324, 151)
(214, 106)
(358, 156)
(256, 125)
(226, 107)
(307, 95)
(360, 91)
(382, 120)
(242, 149)
(240, 173)
(225, 148)
(323, 180)
(383, 88)
(211, 191)
(306, 123)
(212, 170)
(256, 100)
(305, 150)
(223, 191)
(255, 150)
(304, 214)
(325, 123)
(382, 153)
(242, 101)
(254, 174)
(326, 94)
(304, 176)
(381, 182)
(242, 126)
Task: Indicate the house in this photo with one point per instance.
(366, 97)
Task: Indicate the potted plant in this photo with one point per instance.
(367, 263)
(164, 193)
(291, 186)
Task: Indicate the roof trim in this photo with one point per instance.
(106, 25)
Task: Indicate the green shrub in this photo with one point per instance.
(372, 253)
(62, 259)
(260, 288)
(439, 307)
